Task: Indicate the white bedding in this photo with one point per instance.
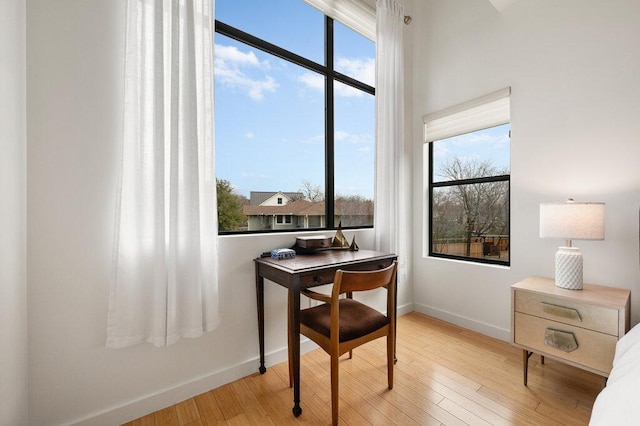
(619, 402)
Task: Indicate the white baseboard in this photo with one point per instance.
(468, 323)
(166, 397)
(405, 309)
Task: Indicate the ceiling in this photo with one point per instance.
(500, 5)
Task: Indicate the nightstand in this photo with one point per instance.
(578, 327)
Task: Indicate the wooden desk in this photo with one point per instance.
(304, 271)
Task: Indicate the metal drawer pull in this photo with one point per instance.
(562, 340)
(561, 311)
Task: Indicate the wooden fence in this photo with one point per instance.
(488, 246)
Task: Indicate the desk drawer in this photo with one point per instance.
(573, 312)
(326, 277)
(594, 349)
(317, 278)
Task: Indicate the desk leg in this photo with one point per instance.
(260, 301)
(294, 333)
(395, 331)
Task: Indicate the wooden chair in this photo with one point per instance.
(341, 324)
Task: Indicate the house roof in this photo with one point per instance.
(258, 197)
(309, 208)
(296, 208)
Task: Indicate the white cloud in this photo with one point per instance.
(249, 135)
(312, 80)
(342, 136)
(360, 69)
(232, 67)
(232, 55)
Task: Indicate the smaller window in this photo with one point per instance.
(469, 180)
(287, 219)
(279, 218)
(279, 200)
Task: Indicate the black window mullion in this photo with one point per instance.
(471, 181)
(329, 125)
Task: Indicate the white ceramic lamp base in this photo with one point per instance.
(569, 268)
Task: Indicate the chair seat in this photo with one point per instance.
(356, 319)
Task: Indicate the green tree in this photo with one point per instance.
(230, 216)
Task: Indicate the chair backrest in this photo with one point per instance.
(350, 281)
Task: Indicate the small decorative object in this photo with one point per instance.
(354, 246)
(572, 221)
(283, 253)
(339, 241)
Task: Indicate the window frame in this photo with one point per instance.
(331, 75)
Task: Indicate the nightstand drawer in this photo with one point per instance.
(592, 349)
(573, 312)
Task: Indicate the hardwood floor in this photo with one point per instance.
(445, 375)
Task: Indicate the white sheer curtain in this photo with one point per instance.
(165, 252)
(391, 194)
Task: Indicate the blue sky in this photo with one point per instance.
(270, 113)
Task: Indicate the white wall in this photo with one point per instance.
(74, 78)
(573, 67)
(13, 166)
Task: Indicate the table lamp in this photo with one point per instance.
(571, 221)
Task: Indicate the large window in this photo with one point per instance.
(469, 180)
(294, 118)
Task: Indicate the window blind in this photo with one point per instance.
(355, 14)
(486, 111)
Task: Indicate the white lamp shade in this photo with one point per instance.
(572, 221)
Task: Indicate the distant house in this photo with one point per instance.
(288, 210)
(269, 198)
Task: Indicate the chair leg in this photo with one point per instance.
(334, 389)
(289, 349)
(390, 359)
(350, 354)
